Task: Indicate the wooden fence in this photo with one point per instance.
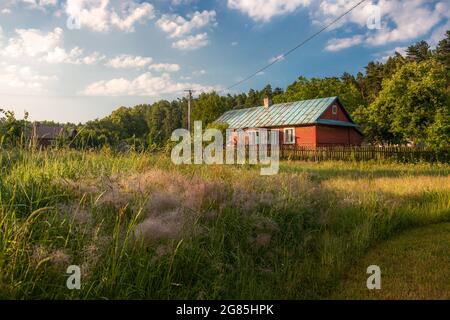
(356, 153)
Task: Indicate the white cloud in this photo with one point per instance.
(199, 72)
(93, 58)
(98, 15)
(46, 47)
(182, 2)
(22, 79)
(32, 42)
(167, 67)
(93, 14)
(401, 21)
(384, 56)
(343, 43)
(439, 34)
(143, 85)
(60, 55)
(412, 19)
(191, 42)
(265, 10)
(234, 43)
(177, 26)
(39, 4)
(126, 61)
(133, 13)
(277, 58)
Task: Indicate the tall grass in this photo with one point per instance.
(140, 227)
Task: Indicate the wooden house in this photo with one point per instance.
(308, 123)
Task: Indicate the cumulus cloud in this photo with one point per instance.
(94, 58)
(126, 61)
(343, 43)
(412, 19)
(32, 42)
(47, 47)
(177, 26)
(182, 2)
(401, 21)
(39, 4)
(93, 14)
(60, 55)
(167, 67)
(146, 84)
(265, 10)
(192, 42)
(23, 79)
(98, 15)
(182, 28)
(132, 13)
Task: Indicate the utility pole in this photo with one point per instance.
(189, 108)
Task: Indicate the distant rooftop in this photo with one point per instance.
(282, 114)
(50, 132)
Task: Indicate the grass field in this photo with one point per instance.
(140, 227)
(414, 265)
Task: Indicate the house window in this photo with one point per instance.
(334, 109)
(289, 136)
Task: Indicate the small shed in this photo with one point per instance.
(45, 135)
(308, 123)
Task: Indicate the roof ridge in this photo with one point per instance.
(282, 103)
(286, 113)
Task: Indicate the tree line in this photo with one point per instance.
(405, 99)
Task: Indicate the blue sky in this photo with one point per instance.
(76, 60)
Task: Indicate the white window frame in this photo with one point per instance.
(285, 135)
(334, 109)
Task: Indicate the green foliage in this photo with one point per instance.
(346, 88)
(419, 52)
(208, 107)
(443, 51)
(12, 131)
(408, 104)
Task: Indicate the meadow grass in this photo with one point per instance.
(141, 227)
(414, 265)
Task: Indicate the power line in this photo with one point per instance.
(282, 56)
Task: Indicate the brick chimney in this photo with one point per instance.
(267, 102)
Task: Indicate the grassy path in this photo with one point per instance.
(414, 265)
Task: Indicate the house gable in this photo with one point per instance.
(340, 115)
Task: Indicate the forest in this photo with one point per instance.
(405, 99)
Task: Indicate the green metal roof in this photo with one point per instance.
(282, 114)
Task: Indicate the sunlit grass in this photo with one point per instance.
(141, 227)
(414, 265)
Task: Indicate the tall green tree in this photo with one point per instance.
(419, 52)
(443, 50)
(208, 107)
(407, 105)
